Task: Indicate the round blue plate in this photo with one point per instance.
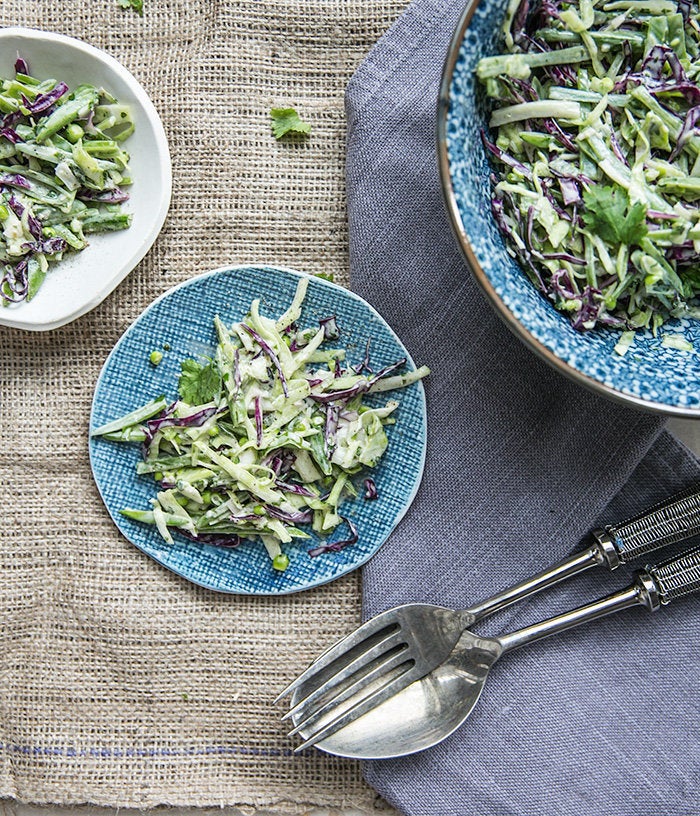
(183, 319)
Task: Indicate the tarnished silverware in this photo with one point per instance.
(400, 646)
(432, 708)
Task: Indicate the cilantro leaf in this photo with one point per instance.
(198, 383)
(286, 120)
(136, 5)
(610, 215)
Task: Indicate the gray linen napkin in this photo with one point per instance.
(521, 464)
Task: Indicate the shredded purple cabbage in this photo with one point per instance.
(370, 489)
(337, 546)
(505, 157)
(657, 58)
(554, 129)
(295, 517)
(330, 328)
(190, 421)
(683, 253)
(364, 365)
(113, 196)
(166, 419)
(11, 135)
(51, 246)
(243, 517)
(15, 180)
(213, 539)
(570, 192)
(291, 487)
(280, 462)
(44, 101)
(17, 279)
(258, 421)
(33, 223)
(517, 26)
(359, 388)
(331, 427)
(270, 353)
(21, 66)
(591, 304)
(689, 129)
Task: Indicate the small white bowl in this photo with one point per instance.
(83, 279)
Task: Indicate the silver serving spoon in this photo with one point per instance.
(432, 708)
(404, 644)
(365, 668)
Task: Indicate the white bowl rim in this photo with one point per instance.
(162, 152)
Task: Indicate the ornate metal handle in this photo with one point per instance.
(656, 585)
(677, 576)
(666, 523)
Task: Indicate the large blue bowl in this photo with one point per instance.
(650, 375)
(182, 319)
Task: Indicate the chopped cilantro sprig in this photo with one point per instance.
(198, 383)
(286, 121)
(135, 5)
(610, 215)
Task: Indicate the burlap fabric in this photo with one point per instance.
(120, 683)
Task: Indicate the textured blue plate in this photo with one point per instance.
(183, 318)
(650, 375)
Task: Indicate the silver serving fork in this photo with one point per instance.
(403, 644)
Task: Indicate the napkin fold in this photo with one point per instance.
(521, 464)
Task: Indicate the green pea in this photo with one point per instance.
(155, 357)
(280, 562)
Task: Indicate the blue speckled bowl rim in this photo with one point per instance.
(473, 263)
(355, 564)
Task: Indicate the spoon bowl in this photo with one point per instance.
(361, 688)
(424, 713)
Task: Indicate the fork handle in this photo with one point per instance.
(652, 587)
(665, 523)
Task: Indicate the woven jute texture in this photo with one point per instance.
(120, 683)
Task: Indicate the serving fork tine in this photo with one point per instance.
(379, 659)
(403, 644)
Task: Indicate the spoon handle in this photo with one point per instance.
(652, 587)
(677, 576)
(667, 522)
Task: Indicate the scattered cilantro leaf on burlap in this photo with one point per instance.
(136, 5)
(287, 120)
